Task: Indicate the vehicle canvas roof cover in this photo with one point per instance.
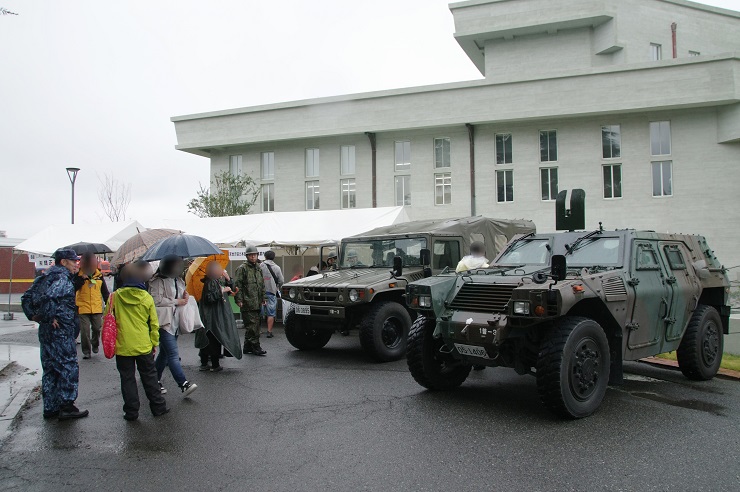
(492, 231)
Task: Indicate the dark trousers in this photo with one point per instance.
(212, 351)
(127, 366)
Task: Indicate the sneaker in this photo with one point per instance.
(217, 369)
(85, 356)
(187, 388)
(257, 350)
(162, 389)
(203, 367)
(72, 412)
(269, 334)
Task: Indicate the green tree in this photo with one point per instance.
(228, 195)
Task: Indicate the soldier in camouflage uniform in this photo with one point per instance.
(250, 298)
(51, 303)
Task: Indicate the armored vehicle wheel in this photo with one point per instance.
(431, 368)
(700, 352)
(302, 336)
(384, 329)
(573, 367)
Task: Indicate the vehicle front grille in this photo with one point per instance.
(320, 295)
(614, 289)
(483, 298)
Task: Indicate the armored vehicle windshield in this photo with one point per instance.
(530, 251)
(379, 253)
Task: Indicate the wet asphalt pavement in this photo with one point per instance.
(334, 420)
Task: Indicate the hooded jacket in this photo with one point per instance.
(91, 292)
(136, 317)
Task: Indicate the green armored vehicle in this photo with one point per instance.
(367, 291)
(569, 307)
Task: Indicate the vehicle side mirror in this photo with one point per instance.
(397, 266)
(426, 257)
(558, 267)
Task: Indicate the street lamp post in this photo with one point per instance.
(72, 173)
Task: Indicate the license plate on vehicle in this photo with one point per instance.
(304, 310)
(471, 350)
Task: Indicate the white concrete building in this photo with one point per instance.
(635, 101)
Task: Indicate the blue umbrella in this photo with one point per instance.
(182, 245)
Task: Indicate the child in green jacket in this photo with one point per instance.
(138, 336)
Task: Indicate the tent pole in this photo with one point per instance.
(9, 316)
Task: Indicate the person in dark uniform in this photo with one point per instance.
(51, 303)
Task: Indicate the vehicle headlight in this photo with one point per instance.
(354, 296)
(293, 293)
(425, 301)
(521, 307)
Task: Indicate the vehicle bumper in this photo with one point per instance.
(332, 313)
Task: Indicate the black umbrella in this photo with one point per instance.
(94, 248)
(182, 245)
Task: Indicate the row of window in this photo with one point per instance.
(611, 142)
(656, 52)
(662, 178)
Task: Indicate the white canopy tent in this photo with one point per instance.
(309, 228)
(112, 234)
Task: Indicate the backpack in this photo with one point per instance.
(31, 299)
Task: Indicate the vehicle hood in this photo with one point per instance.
(359, 277)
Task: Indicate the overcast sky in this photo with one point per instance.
(92, 84)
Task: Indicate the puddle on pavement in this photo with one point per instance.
(702, 406)
(21, 368)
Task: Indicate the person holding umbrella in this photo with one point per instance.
(220, 326)
(168, 290)
(91, 294)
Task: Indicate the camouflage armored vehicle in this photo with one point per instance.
(568, 308)
(366, 292)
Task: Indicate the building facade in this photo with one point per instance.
(635, 101)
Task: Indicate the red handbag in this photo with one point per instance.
(110, 330)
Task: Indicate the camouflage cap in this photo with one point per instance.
(65, 254)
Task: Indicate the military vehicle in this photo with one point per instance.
(366, 292)
(569, 307)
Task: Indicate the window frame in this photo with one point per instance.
(557, 183)
(507, 181)
(351, 191)
(403, 166)
(656, 52)
(264, 177)
(449, 152)
(271, 196)
(316, 162)
(407, 192)
(661, 124)
(612, 165)
(448, 183)
(351, 160)
(510, 139)
(549, 152)
(609, 128)
(315, 186)
(662, 178)
(239, 165)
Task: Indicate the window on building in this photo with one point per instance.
(660, 137)
(347, 159)
(312, 195)
(403, 155)
(549, 181)
(611, 141)
(613, 181)
(663, 178)
(312, 163)
(268, 165)
(235, 165)
(503, 148)
(268, 197)
(694, 53)
(548, 145)
(348, 193)
(505, 186)
(443, 188)
(441, 152)
(656, 52)
(403, 190)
